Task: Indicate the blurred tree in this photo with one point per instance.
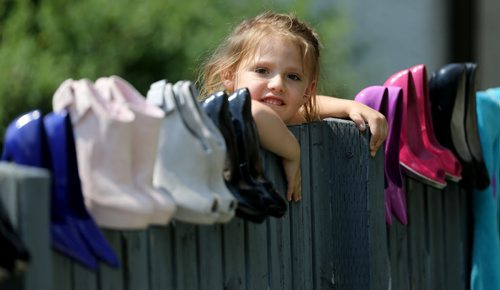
(42, 43)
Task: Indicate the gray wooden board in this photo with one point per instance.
(402, 255)
(321, 187)
(417, 216)
(234, 255)
(436, 236)
(377, 230)
(466, 233)
(12, 283)
(398, 247)
(186, 256)
(62, 272)
(27, 199)
(350, 217)
(256, 255)
(452, 250)
(280, 252)
(83, 278)
(112, 278)
(279, 249)
(300, 219)
(10, 198)
(210, 257)
(161, 261)
(136, 268)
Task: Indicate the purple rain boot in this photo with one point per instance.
(392, 166)
(375, 97)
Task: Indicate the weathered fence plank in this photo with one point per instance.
(25, 193)
(453, 238)
(278, 233)
(63, 278)
(257, 276)
(186, 256)
(466, 233)
(321, 207)
(379, 268)
(436, 236)
(161, 258)
(112, 278)
(136, 268)
(83, 278)
(399, 256)
(210, 257)
(300, 220)
(234, 255)
(417, 220)
(353, 204)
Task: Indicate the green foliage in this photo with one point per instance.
(42, 43)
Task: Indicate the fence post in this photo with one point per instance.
(25, 193)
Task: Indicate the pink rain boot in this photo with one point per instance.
(103, 140)
(145, 134)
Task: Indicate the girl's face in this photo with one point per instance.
(276, 77)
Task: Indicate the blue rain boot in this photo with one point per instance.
(23, 141)
(249, 201)
(68, 187)
(486, 245)
(248, 146)
(26, 144)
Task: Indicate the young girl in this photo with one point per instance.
(276, 56)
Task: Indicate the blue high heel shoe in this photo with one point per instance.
(68, 189)
(447, 94)
(26, 144)
(482, 180)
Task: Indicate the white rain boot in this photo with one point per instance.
(103, 141)
(182, 162)
(145, 134)
(205, 127)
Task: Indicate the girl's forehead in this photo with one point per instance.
(269, 44)
(272, 46)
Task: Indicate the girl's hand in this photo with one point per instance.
(362, 114)
(294, 179)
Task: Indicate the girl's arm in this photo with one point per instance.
(275, 137)
(359, 113)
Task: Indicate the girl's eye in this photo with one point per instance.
(294, 77)
(261, 70)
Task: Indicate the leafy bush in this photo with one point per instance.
(42, 43)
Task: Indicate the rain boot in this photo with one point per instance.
(145, 134)
(103, 132)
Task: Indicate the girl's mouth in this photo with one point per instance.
(272, 101)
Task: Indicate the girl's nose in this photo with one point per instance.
(276, 83)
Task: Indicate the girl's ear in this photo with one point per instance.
(228, 81)
(228, 85)
(310, 89)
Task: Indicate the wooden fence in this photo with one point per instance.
(335, 238)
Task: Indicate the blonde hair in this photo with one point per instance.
(244, 41)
